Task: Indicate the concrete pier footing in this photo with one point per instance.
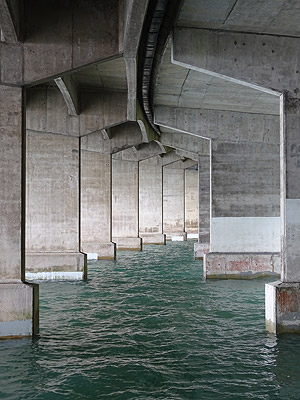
(282, 307)
(19, 311)
(200, 249)
(99, 251)
(240, 265)
(153, 238)
(65, 265)
(130, 243)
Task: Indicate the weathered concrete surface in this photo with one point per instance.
(52, 207)
(203, 245)
(60, 37)
(46, 111)
(282, 307)
(19, 311)
(18, 302)
(240, 265)
(114, 140)
(219, 124)
(151, 201)
(191, 202)
(236, 55)
(173, 201)
(125, 205)
(96, 209)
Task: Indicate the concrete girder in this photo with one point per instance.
(264, 62)
(8, 25)
(46, 111)
(185, 142)
(214, 124)
(141, 152)
(187, 154)
(170, 157)
(134, 15)
(123, 136)
(62, 37)
(68, 89)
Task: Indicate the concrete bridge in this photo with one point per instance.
(128, 122)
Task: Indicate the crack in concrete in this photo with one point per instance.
(230, 11)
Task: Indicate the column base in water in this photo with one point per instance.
(19, 310)
(99, 251)
(176, 236)
(282, 306)
(62, 266)
(200, 249)
(241, 265)
(134, 244)
(153, 238)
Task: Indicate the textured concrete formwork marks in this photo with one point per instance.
(60, 37)
(125, 204)
(52, 207)
(191, 203)
(173, 201)
(96, 229)
(150, 200)
(18, 302)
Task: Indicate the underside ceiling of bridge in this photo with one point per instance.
(177, 86)
(278, 17)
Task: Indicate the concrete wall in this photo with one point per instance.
(125, 203)
(96, 204)
(52, 209)
(173, 200)
(150, 195)
(191, 202)
(245, 197)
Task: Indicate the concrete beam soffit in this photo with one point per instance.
(7, 23)
(69, 91)
(251, 59)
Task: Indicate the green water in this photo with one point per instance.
(149, 327)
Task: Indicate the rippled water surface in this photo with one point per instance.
(148, 327)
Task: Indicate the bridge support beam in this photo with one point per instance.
(245, 220)
(125, 204)
(52, 209)
(18, 300)
(150, 201)
(283, 297)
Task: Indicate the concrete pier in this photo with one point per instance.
(52, 208)
(18, 300)
(151, 201)
(125, 204)
(245, 212)
(191, 203)
(173, 202)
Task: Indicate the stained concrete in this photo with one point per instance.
(96, 209)
(125, 205)
(191, 203)
(52, 207)
(151, 201)
(173, 201)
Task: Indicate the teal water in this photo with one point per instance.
(148, 327)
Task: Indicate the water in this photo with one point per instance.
(149, 327)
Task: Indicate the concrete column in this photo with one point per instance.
(151, 201)
(245, 220)
(174, 201)
(96, 210)
(18, 300)
(52, 210)
(125, 204)
(191, 214)
(203, 245)
(283, 297)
